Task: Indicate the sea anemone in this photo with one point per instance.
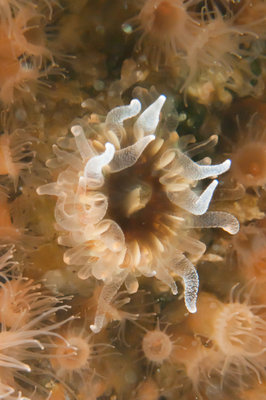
(27, 320)
(73, 353)
(23, 50)
(15, 154)
(8, 232)
(249, 253)
(211, 50)
(22, 343)
(249, 154)
(113, 311)
(21, 300)
(125, 195)
(147, 390)
(168, 28)
(200, 361)
(238, 330)
(157, 345)
(221, 47)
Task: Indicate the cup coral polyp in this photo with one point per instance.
(249, 155)
(15, 152)
(73, 355)
(22, 49)
(167, 29)
(250, 248)
(124, 199)
(157, 346)
(27, 322)
(238, 330)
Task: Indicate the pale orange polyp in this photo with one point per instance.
(74, 357)
(236, 330)
(249, 164)
(148, 390)
(22, 50)
(201, 323)
(165, 17)
(6, 164)
(15, 309)
(7, 229)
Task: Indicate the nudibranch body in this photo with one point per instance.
(126, 203)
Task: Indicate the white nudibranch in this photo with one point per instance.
(126, 199)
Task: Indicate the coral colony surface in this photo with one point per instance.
(132, 200)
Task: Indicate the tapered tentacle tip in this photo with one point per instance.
(109, 147)
(227, 164)
(233, 226)
(192, 309)
(76, 130)
(136, 104)
(161, 99)
(95, 329)
(191, 302)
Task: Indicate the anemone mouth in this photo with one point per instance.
(157, 346)
(124, 199)
(236, 327)
(138, 202)
(76, 355)
(249, 164)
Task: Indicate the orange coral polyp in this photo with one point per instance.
(166, 16)
(7, 229)
(22, 50)
(249, 164)
(15, 152)
(157, 346)
(72, 356)
(168, 29)
(238, 331)
(75, 357)
(7, 166)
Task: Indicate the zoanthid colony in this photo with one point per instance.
(132, 200)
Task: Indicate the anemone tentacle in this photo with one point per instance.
(126, 202)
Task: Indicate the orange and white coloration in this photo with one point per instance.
(221, 46)
(257, 392)
(249, 155)
(199, 361)
(147, 390)
(212, 49)
(251, 12)
(168, 28)
(250, 248)
(15, 152)
(73, 353)
(23, 50)
(113, 311)
(27, 318)
(8, 231)
(237, 330)
(126, 200)
(21, 300)
(157, 345)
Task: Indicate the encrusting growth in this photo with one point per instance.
(125, 202)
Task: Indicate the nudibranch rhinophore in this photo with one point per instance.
(126, 203)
